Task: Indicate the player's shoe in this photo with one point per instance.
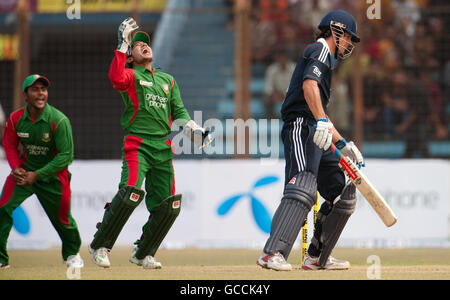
(148, 262)
(74, 261)
(274, 261)
(312, 263)
(100, 257)
(133, 259)
(4, 266)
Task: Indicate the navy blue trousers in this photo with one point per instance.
(301, 154)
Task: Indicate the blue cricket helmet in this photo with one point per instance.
(342, 18)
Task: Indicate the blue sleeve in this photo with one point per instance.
(316, 62)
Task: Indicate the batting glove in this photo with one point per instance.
(323, 134)
(124, 34)
(350, 150)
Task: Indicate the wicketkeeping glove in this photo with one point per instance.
(350, 150)
(200, 136)
(124, 34)
(323, 134)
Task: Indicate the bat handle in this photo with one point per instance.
(336, 151)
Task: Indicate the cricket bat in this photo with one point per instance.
(366, 188)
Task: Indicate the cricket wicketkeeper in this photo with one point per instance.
(310, 165)
(152, 101)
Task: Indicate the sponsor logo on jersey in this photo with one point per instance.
(146, 83)
(316, 71)
(156, 101)
(37, 150)
(23, 134)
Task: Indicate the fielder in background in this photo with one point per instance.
(39, 148)
(310, 164)
(152, 101)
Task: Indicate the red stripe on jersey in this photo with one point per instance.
(11, 140)
(64, 207)
(8, 190)
(131, 147)
(134, 99)
(54, 129)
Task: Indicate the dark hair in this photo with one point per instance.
(324, 32)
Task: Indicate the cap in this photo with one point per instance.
(140, 36)
(30, 80)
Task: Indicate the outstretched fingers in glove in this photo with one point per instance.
(124, 34)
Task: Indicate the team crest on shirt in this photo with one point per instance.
(165, 88)
(45, 137)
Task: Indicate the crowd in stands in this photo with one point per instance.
(404, 61)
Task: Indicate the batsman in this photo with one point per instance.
(310, 164)
(152, 101)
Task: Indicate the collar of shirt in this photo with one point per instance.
(325, 44)
(45, 114)
(143, 69)
(333, 59)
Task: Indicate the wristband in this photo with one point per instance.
(341, 143)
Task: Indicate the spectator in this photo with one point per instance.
(437, 111)
(311, 12)
(414, 124)
(424, 47)
(293, 36)
(263, 38)
(395, 105)
(388, 49)
(407, 14)
(2, 130)
(441, 38)
(277, 78)
(229, 6)
(339, 107)
(373, 86)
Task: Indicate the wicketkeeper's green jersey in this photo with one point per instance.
(152, 98)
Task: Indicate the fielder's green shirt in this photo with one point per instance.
(152, 98)
(47, 141)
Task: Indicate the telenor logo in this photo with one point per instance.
(260, 213)
(21, 223)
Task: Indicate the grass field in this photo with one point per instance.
(195, 264)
